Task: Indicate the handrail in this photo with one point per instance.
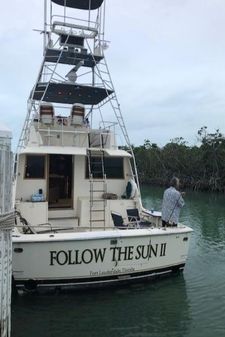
(72, 25)
(81, 142)
(73, 19)
(85, 31)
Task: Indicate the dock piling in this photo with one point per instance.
(6, 225)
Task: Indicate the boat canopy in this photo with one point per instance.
(67, 93)
(80, 4)
(117, 153)
(55, 150)
(70, 150)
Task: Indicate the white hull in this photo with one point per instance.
(87, 259)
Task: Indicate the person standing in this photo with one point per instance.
(172, 203)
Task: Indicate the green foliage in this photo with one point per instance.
(199, 167)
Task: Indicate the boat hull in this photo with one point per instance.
(92, 259)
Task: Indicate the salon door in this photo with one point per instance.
(60, 181)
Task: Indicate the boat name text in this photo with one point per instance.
(116, 254)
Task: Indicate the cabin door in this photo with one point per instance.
(60, 181)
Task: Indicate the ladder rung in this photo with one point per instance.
(103, 220)
(98, 210)
(97, 190)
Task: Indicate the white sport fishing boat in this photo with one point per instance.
(80, 219)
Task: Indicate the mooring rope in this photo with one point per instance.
(7, 220)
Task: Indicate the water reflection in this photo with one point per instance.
(139, 310)
(207, 212)
(152, 197)
(205, 269)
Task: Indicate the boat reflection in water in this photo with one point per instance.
(159, 309)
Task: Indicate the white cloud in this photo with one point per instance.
(167, 61)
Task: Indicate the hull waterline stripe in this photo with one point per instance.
(96, 280)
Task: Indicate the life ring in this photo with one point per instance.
(131, 189)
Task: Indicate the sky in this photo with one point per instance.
(166, 59)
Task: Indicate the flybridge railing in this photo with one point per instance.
(62, 135)
(70, 25)
(108, 125)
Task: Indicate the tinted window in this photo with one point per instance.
(35, 167)
(113, 167)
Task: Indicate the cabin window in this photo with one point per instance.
(113, 167)
(35, 167)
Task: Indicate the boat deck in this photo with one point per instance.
(86, 234)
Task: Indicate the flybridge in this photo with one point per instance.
(74, 71)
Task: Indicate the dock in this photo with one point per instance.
(6, 226)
